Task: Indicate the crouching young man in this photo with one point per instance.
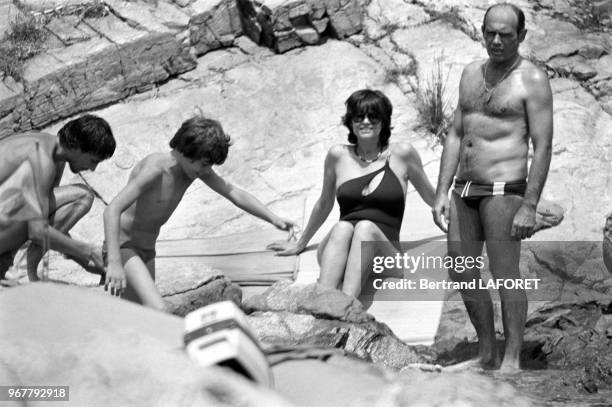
(31, 167)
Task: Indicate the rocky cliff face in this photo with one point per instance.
(170, 60)
(100, 52)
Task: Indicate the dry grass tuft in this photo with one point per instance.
(432, 103)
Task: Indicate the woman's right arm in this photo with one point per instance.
(320, 210)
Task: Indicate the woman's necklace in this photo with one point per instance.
(489, 91)
(365, 160)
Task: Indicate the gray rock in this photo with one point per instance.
(296, 314)
(117, 61)
(574, 336)
(382, 17)
(163, 16)
(439, 40)
(366, 341)
(579, 165)
(592, 51)
(565, 65)
(8, 12)
(309, 299)
(246, 45)
(604, 7)
(187, 285)
(559, 38)
(214, 290)
(286, 40)
(308, 35)
(416, 388)
(607, 243)
(347, 20)
(583, 71)
(286, 24)
(215, 25)
(603, 66)
(182, 3)
(12, 106)
(568, 271)
(69, 31)
(320, 25)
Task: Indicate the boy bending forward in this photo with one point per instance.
(133, 219)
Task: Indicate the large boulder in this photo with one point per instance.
(184, 285)
(291, 314)
(109, 352)
(577, 337)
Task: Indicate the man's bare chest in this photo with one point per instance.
(499, 101)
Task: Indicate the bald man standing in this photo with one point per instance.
(504, 102)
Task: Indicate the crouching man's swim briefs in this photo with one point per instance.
(474, 191)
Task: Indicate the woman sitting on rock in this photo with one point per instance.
(369, 177)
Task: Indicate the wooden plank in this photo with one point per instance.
(237, 243)
(247, 268)
(238, 256)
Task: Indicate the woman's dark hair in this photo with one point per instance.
(374, 104)
(200, 138)
(89, 134)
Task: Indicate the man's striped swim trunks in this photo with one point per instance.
(474, 190)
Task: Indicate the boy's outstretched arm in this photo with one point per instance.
(320, 210)
(245, 201)
(139, 181)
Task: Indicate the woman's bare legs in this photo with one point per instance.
(333, 253)
(357, 272)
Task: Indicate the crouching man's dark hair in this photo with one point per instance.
(89, 134)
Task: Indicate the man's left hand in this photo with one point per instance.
(524, 222)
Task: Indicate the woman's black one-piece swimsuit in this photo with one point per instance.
(384, 206)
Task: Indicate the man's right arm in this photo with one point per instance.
(448, 168)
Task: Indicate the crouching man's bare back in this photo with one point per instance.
(504, 102)
(82, 144)
(133, 220)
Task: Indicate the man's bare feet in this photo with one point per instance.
(510, 367)
(478, 364)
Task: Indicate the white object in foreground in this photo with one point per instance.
(219, 334)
